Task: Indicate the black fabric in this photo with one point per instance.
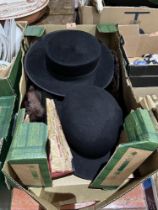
(63, 59)
(88, 168)
(91, 121)
(74, 55)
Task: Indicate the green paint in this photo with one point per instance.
(107, 28)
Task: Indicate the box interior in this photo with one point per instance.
(72, 189)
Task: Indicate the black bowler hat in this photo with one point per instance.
(91, 121)
(62, 59)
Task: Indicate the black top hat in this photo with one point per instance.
(63, 59)
(91, 121)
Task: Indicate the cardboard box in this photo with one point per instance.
(60, 157)
(136, 45)
(9, 100)
(142, 140)
(27, 153)
(125, 15)
(72, 189)
(6, 114)
(10, 83)
(143, 16)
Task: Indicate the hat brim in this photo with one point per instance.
(38, 73)
(88, 168)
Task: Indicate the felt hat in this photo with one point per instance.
(91, 121)
(63, 59)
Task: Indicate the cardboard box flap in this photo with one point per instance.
(62, 193)
(144, 16)
(130, 34)
(147, 45)
(135, 43)
(140, 127)
(6, 111)
(65, 195)
(19, 119)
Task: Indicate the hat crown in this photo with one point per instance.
(91, 121)
(72, 53)
(51, 65)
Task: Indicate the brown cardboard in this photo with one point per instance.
(114, 179)
(72, 189)
(136, 44)
(146, 17)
